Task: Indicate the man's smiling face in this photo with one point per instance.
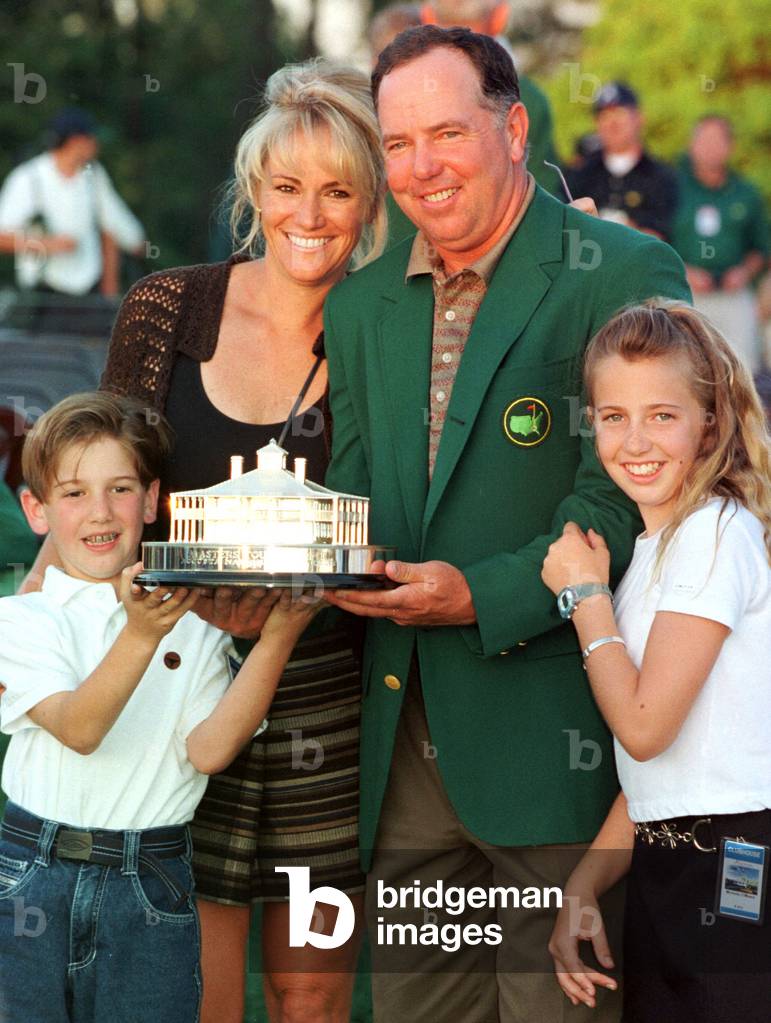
(454, 166)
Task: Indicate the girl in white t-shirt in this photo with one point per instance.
(680, 666)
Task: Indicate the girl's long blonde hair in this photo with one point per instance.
(735, 457)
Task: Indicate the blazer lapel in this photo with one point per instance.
(518, 286)
(405, 364)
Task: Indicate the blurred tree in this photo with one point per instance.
(172, 83)
(684, 60)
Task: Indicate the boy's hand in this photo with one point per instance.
(580, 920)
(152, 615)
(577, 557)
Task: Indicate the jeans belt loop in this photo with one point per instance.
(45, 842)
(131, 842)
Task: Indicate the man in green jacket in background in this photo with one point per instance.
(454, 365)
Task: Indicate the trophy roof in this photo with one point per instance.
(262, 483)
(269, 479)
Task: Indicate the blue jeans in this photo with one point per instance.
(85, 943)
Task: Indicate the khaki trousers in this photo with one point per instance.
(421, 839)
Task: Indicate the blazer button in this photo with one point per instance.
(522, 642)
(392, 682)
(504, 652)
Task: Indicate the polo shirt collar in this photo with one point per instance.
(63, 588)
(424, 258)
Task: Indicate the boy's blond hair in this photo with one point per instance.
(84, 418)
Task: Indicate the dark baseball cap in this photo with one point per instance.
(68, 122)
(614, 94)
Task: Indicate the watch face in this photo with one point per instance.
(566, 602)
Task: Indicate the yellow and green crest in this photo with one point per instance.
(526, 422)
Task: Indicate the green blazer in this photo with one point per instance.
(523, 752)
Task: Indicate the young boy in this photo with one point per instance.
(119, 703)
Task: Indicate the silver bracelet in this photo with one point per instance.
(601, 642)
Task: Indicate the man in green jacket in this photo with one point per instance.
(454, 365)
(721, 233)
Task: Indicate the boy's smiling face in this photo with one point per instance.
(95, 509)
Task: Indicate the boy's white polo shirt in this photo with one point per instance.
(140, 776)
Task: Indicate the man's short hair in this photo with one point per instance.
(720, 118)
(88, 417)
(497, 74)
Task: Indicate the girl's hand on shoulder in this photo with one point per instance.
(152, 614)
(577, 557)
(580, 919)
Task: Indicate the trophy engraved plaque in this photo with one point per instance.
(268, 527)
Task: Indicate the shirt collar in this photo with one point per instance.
(424, 258)
(62, 587)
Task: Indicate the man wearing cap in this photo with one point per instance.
(627, 184)
(454, 369)
(61, 216)
(721, 232)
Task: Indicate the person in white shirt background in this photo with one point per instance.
(62, 217)
(679, 661)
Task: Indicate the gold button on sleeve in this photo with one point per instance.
(392, 682)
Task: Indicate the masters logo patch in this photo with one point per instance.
(526, 422)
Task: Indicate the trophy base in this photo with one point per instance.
(292, 566)
(270, 580)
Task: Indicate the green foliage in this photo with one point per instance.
(172, 90)
(684, 59)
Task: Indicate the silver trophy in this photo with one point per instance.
(268, 527)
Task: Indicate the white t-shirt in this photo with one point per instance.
(721, 760)
(79, 206)
(140, 776)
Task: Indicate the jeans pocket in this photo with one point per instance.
(166, 899)
(14, 873)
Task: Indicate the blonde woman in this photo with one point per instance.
(232, 354)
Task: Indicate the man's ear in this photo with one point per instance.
(34, 511)
(151, 502)
(517, 126)
(498, 19)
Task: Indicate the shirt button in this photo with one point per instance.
(392, 682)
(440, 395)
(446, 357)
(450, 314)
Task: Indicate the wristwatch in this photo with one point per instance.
(569, 598)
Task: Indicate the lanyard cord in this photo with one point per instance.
(299, 399)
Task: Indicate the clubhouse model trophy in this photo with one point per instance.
(267, 527)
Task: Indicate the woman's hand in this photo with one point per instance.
(152, 614)
(577, 557)
(580, 919)
(292, 612)
(242, 613)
